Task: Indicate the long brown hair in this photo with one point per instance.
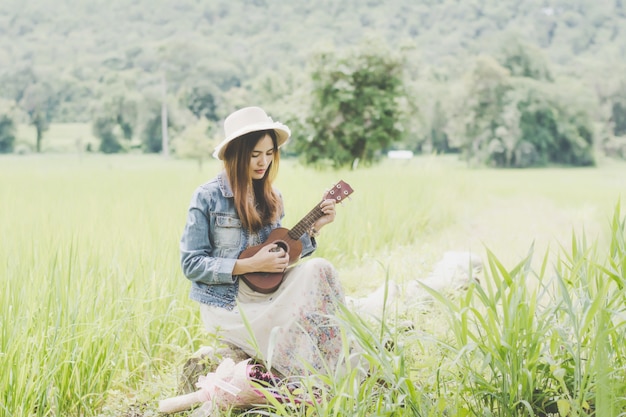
(256, 202)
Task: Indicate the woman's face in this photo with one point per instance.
(262, 157)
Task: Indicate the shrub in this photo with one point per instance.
(7, 134)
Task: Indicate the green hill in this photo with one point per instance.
(83, 50)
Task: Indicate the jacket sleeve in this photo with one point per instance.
(196, 249)
(308, 245)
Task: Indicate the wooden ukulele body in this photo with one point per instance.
(268, 282)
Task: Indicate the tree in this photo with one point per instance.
(483, 108)
(114, 122)
(523, 59)
(201, 101)
(151, 137)
(13, 85)
(521, 122)
(7, 133)
(152, 131)
(618, 110)
(38, 102)
(618, 117)
(195, 142)
(355, 112)
(104, 128)
(429, 118)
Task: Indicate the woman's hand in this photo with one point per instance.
(328, 208)
(270, 258)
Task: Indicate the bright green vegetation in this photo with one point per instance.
(95, 319)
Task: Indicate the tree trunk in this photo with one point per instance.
(39, 137)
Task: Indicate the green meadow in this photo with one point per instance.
(95, 319)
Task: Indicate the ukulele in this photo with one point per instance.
(289, 241)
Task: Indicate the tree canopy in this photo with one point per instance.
(355, 109)
(80, 48)
(68, 60)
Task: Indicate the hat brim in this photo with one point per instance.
(282, 136)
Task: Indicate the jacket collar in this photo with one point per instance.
(224, 184)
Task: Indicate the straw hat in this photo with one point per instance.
(246, 120)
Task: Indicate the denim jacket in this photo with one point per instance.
(212, 241)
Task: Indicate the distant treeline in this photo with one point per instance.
(508, 83)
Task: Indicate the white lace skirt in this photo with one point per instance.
(294, 329)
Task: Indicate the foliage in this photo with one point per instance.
(618, 110)
(483, 108)
(152, 128)
(7, 129)
(194, 142)
(63, 58)
(38, 102)
(611, 96)
(355, 111)
(525, 343)
(618, 116)
(115, 121)
(553, 129)
(152, 134)
(436, 137)
(523, 59)
(201, 101)
(520, 121)
(104, 129)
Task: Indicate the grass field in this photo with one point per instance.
(95, 318)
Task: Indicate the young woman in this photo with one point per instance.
(291, 329)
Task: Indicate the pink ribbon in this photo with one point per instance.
(211, 382)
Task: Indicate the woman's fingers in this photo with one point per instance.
(328, 208)
(276, 257)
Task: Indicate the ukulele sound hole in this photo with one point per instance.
(280, 244)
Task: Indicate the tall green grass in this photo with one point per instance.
(524, 342)
(95, 319)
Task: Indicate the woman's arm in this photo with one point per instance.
(196, 251)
